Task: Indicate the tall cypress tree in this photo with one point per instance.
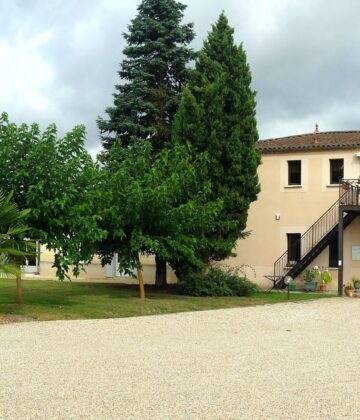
(153, 75)
(217, 115)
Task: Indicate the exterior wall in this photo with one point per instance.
(299, 207)
(351, 239)
(95, 271)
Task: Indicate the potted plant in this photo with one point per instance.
(310, 279)
(349, 290)
(325, 278)
(356, 282)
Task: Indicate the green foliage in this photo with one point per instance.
(218, 282)
(154, 72)
(57, 179)
(13, 250)
(311, 275)
(308, 276)
(156, 206)
(326, 277)
(356, 281)
(217, 116)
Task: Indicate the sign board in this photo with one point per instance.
(355, 253)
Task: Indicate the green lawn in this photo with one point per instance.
(49, 300)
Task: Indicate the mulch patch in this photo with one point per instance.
(10, 318)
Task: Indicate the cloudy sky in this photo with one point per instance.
(59, 59)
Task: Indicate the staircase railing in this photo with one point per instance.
(348, 195)
(349, 192)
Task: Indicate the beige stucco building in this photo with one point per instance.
(299, 178)
(41, 268)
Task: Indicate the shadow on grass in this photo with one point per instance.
(79, 297)
(57, 293)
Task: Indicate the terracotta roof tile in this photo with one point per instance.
(313, 141)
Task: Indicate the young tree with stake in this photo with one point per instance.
(153, 72)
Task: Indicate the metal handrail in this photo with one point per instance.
(352, 187)
(326, 222)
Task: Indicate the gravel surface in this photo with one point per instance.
(285, 361)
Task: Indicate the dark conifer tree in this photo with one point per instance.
(152, 77)
(217, 115)
(153, 74)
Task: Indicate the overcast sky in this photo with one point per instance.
(59, 59)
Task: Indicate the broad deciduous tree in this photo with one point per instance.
(57, 179)
(153, 75)
(159, 206)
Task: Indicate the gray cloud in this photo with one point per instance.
(60, 59)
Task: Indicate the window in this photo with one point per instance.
(293, 240)
(336, 170)
(333, 252)
(294, 172)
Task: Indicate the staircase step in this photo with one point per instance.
(301, 265)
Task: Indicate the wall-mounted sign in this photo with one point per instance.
(355, 253)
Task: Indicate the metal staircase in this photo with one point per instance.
(317, 237)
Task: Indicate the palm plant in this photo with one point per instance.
(13, 249)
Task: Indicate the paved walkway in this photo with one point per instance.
(286, 361)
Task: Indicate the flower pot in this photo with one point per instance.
(322, 287)
(349, 293)
(311, 286)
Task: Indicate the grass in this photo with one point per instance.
(50, 300)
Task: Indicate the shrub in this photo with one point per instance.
(326, 277)
(218, 281)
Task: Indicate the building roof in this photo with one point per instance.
(313, 141)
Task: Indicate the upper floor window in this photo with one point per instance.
(336, 170)
(294, 172)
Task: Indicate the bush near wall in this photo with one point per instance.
(217, 282)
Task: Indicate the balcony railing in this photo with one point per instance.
(349, 190)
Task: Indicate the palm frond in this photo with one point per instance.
(9, 269)
(13, 249)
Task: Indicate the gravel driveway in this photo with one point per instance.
(285, 361)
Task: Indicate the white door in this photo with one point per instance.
(112, 270)
(32, 263)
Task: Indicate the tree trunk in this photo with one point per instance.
(160, 277)
(19, 290)
(141, 281)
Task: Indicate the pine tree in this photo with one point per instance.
(217, 115)
(154, 73)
